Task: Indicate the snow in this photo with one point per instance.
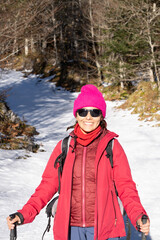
(50, 110)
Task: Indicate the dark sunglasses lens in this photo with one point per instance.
(82, 112)
(95, 112)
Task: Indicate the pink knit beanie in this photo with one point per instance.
(90, 96)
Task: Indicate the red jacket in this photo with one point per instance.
(108, 219)
(84, 184)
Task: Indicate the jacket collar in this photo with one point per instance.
(106, 136)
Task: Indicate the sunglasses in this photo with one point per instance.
(84, 112)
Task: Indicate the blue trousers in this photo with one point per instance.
(86, 233)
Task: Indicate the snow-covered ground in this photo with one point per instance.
(50, 111)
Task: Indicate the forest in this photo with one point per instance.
(108, 40)
(114, 44)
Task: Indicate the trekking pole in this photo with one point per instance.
(13, 232)
(144, 221)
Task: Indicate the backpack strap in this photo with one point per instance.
(65, 145)
(61, 158)
(109, 151)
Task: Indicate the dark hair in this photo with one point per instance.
(73, 126)
(103, 124)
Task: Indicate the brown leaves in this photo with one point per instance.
(15, 134)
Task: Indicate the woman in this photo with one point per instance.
(87, 206)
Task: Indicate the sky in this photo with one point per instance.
(49, 109)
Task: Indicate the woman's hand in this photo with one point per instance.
(11, 222)
(144, 227)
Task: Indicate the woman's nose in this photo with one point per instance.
(88, 115)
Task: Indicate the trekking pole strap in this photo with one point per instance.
(47, 228)
(59, 179)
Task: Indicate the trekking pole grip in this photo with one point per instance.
(13, 232)
(144, 221)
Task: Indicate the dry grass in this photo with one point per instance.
(115, 92)
(145, 101)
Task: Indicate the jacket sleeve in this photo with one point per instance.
(125, 185)
(45, 191)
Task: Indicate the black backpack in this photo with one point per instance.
(52, 205)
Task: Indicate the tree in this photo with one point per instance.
(132, 42)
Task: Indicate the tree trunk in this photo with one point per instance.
(32, 45)
(122, 73)
(26, 48)
(44, 45)
(151, 75)
(153, 59)
(93, 41)
(86, 56)
(154, 64)
(55, 46)
(15, 47)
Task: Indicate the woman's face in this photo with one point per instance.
(88, 123)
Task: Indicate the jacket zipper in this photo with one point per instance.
(114, 209)
(71, 195)
(96, 220)
(83, 187)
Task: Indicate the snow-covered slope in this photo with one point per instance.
(50, 111)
